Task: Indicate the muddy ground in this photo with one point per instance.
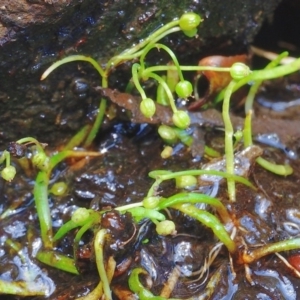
(269, 214)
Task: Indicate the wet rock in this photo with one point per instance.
(35, 33)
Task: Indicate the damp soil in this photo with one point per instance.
(131, 149)
(269, 214)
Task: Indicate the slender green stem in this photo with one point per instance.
(159, 175)
(256, 254)
(276, 72)
(73, 58)
(168, 50)
(4, 156)
(155, 69)
(100, 116)
(64, 229)
(135, 78)
(229, 151)
(39, 146)
(257, 75)
(136, 51)
(210, 221)
(42, 206)
(129, 206)
(196, 198)
(254, 88)
(102, 107)
(154, 187)
(247, 131)
(78, 138)
(97, 123)
(160, 80)
(99, 245)
(153, 37)
(140, 213)
(7, 158)
(88, 225)
(283, 170)
(60, 156)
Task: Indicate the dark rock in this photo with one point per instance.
(35, 33)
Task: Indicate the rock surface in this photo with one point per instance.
(35, 33)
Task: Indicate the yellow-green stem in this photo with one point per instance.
(42, 206)
(210, 221)
(57, 260)
(99, 246)
(229, 152)
(256, 254)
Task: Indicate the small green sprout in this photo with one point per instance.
(152, 205)
(8, 173)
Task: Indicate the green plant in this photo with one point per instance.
(168, 86)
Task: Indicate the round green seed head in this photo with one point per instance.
(151, 202)
(41, 160)
(59, 188)
(80, 216)
(181, 119)
(167, 152)
(239, 70)
(185, 181)
(167, 133)
(189, 21)
(190, 33)
(184, 89)
(8, 173)
(147, 107)
(238, 135)
(165, 227)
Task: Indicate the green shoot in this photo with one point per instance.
(283, 170)
(99, 245)
(286, 245)
(210, 221)
(229, 151)
(194, 198)
(42, 207)
(254, 88)
(56, 260)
